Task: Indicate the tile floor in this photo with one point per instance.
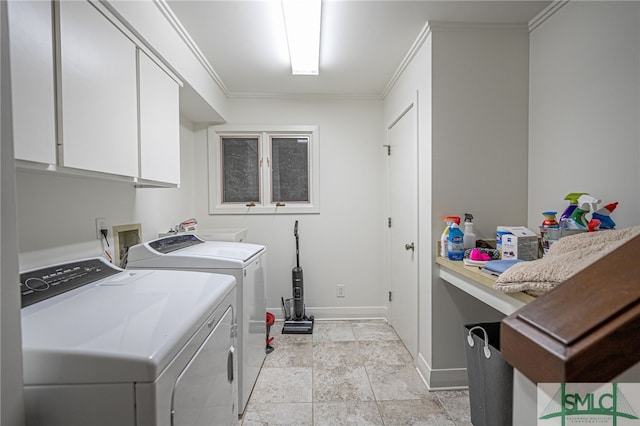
(347, 373)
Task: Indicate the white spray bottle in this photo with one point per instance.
(469, 236)
(578, 219)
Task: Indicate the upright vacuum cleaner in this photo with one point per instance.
(295, 318)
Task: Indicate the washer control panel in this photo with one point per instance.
(173, 243)
(42, 284)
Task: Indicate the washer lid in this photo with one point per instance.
(125, 328)
(204, 255)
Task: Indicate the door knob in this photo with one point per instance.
(411, 246)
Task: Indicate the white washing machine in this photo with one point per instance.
(104, 347)
(247, 263)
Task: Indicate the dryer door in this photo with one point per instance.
(206, 390)
(254, 326)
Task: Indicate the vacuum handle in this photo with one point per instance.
(295, 233)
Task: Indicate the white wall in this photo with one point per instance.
(56, 214)
(479, 156)
(344, 244)
(472, 89)
(415, 82)
(11, 396)
(480, 125)
(584, 108)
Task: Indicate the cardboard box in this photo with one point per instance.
(522, 244)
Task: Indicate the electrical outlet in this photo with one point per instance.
(340, 290)
(101, 223)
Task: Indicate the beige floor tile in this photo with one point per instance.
(374, 331)
(347, 373)
(414, 412)
(396, 382)
(384, 352)
(332, 331)
(341, 384)
(346, 413)
(278, 414)
(440, 394)
(336, 354)
(457, 407)
(277, 384)
(290, 354)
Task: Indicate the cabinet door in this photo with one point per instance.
(98, 92)
(159, 123)
(32, 80)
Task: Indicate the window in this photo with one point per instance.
(258, 170)
(240, 171)
(290, 169)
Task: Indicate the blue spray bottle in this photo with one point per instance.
(456, 243)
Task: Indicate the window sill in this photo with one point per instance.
(242, 209)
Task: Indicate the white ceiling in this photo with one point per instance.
(362, 43)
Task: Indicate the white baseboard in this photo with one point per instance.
(441, 379)
(340, 313)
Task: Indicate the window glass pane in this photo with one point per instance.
(240, 169)
(290, 169)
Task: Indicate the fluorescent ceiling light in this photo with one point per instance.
(302, 23)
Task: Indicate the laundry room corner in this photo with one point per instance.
(344, 243)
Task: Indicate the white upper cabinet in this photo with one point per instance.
(98, 92)
(159, 123)
(89, 96)
(32, 80)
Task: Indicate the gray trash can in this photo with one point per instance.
(490, 377)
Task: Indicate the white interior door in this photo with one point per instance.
(403, 233)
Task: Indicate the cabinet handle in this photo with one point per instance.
(411, 246)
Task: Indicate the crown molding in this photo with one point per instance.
(546, 13)
(413, 50)
(433, 26)
(308, 96)
(441, 26)
(166, 11)
(426, 31)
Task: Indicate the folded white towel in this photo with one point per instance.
(565, 258)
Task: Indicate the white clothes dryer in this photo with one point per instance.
(103, 346)
(247, 263)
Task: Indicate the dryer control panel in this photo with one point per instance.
(41, 284)
(173, 243)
